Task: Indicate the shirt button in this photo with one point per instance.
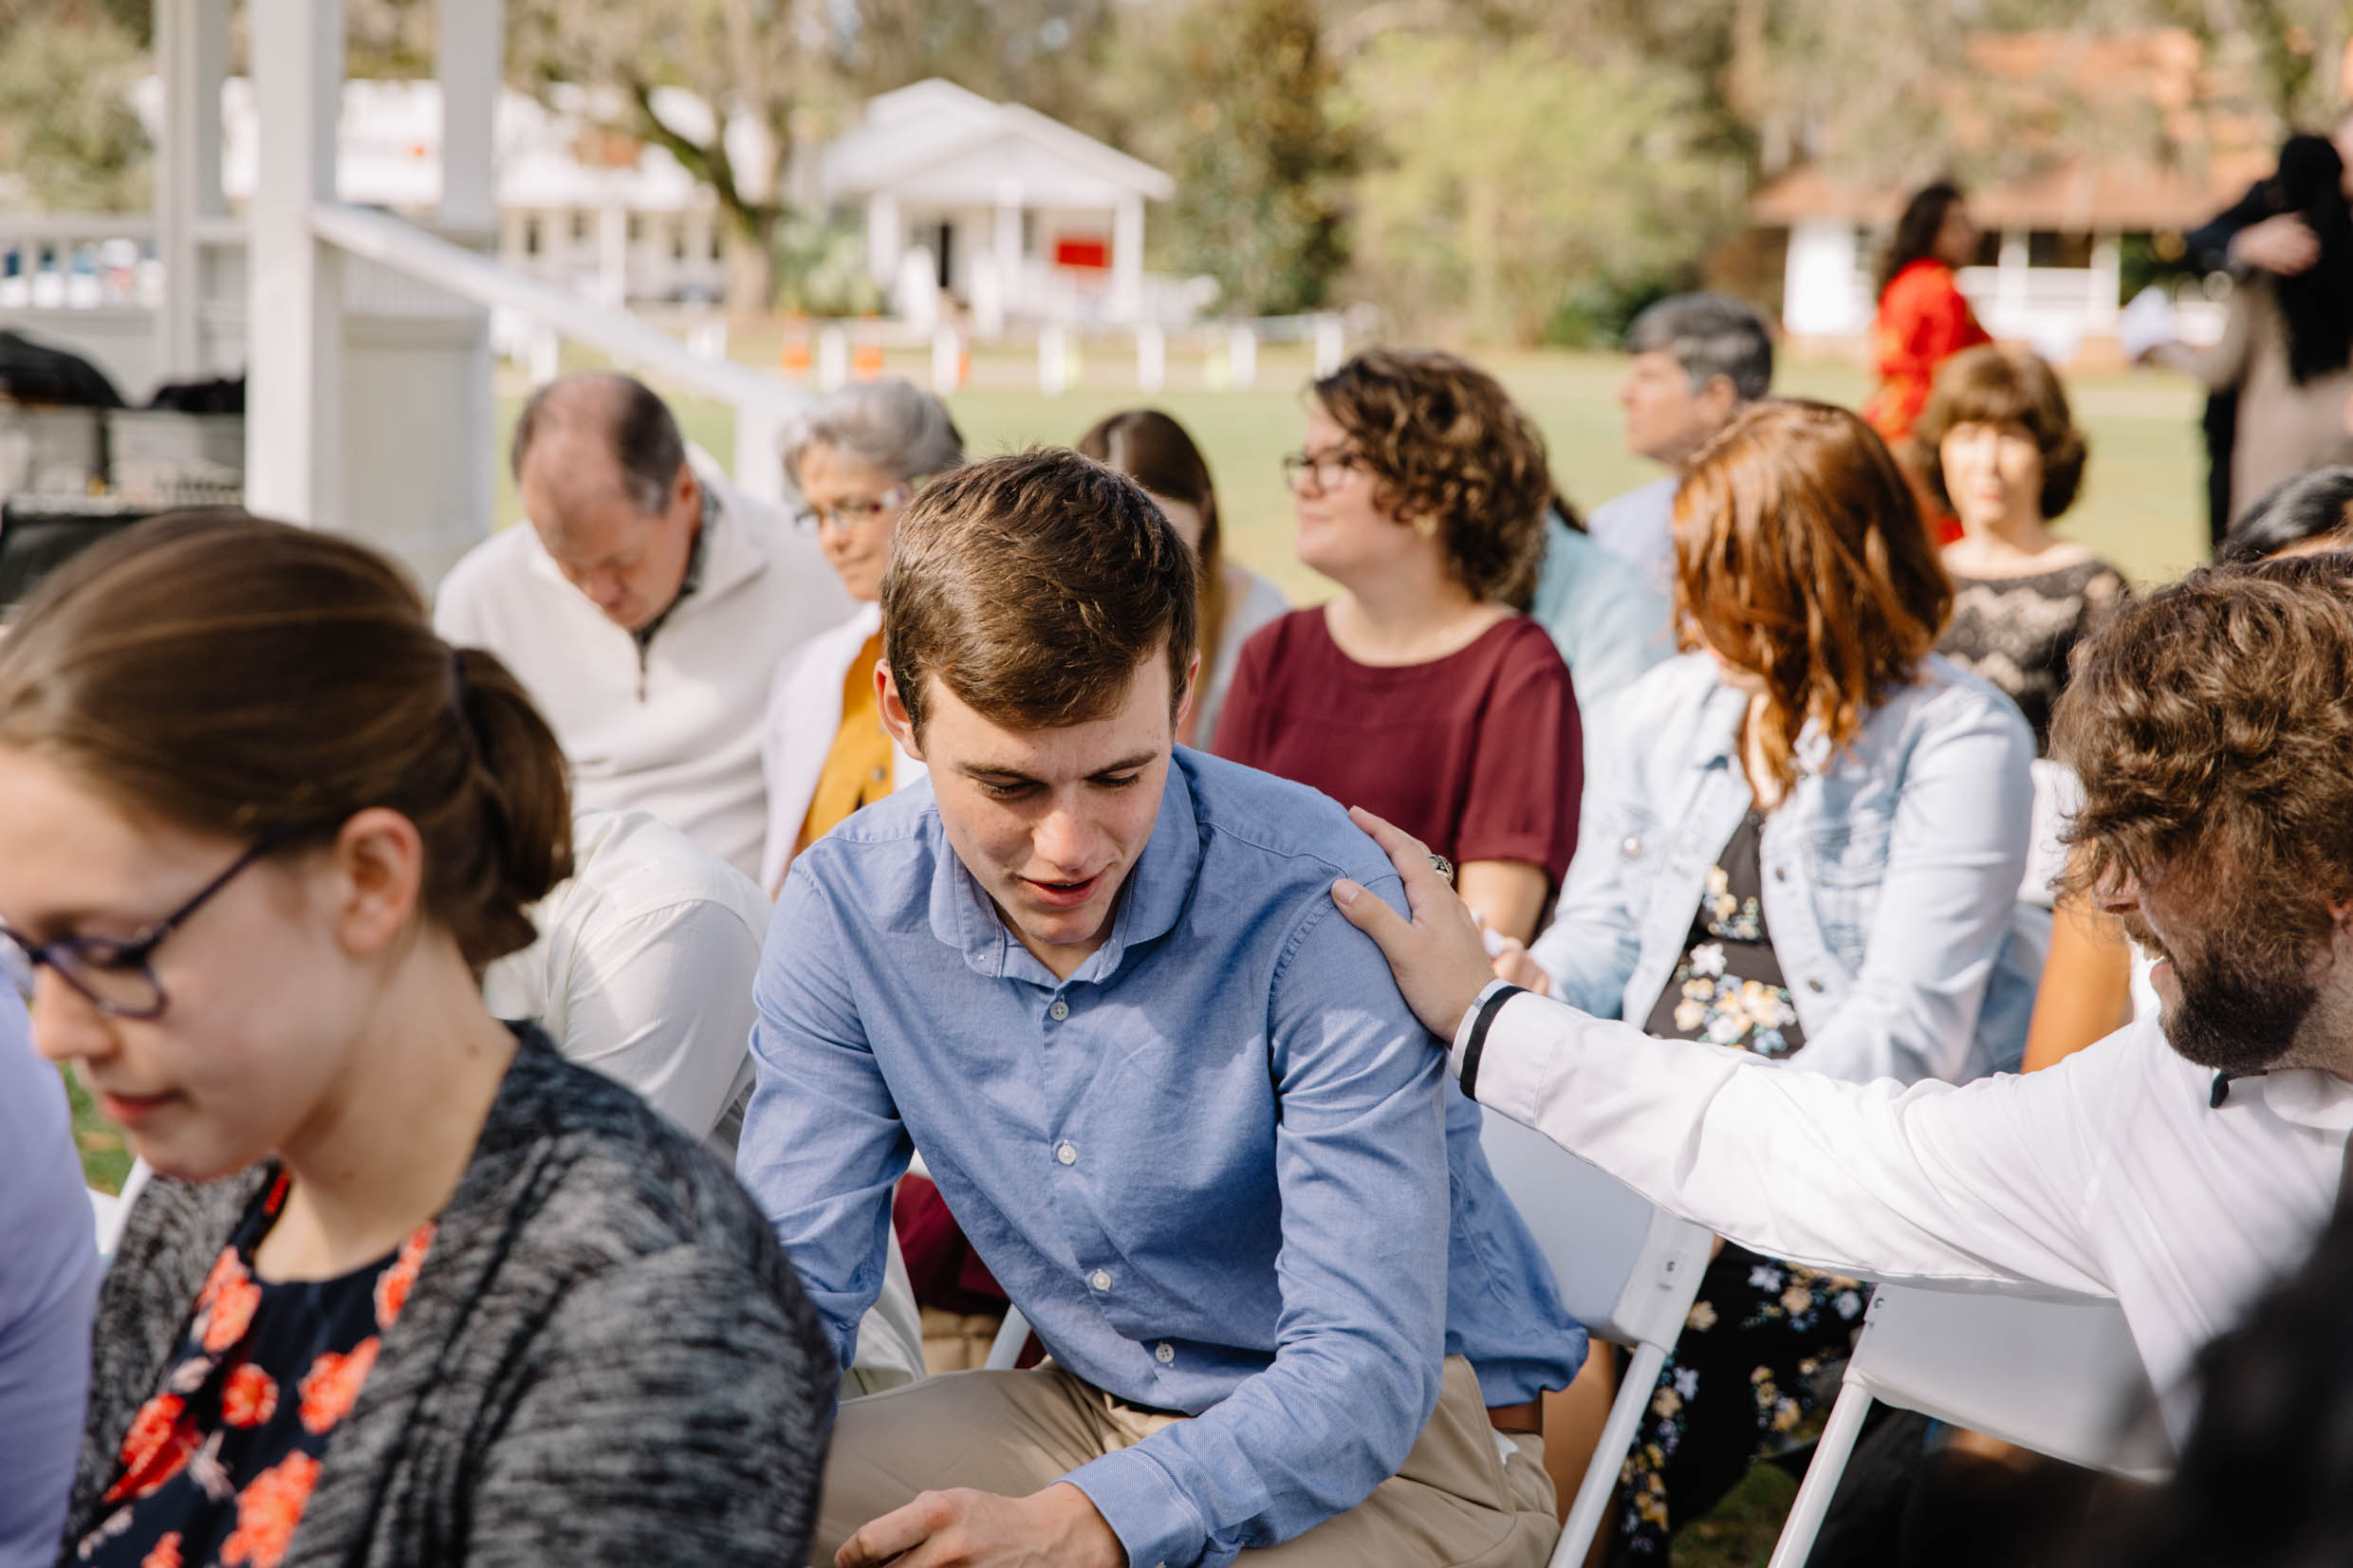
(1814, 985)
(1066, 1153)
(877, 774)
(1058, 1011)
(1164, 1352)
(1632, 848)
(1781, 873)
(1101, 1280)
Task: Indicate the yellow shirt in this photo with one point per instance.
(858, 768)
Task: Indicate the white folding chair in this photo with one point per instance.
(110, 1212)
(1005, 1348)
(2058, 1374)
(1626, 1269)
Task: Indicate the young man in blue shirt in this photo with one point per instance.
(1175, 1100)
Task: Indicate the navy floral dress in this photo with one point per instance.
(218, 1466)
(1741, 1380)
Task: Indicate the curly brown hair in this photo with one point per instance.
(2209, 723)
(1800, 558)
(1445, 442)
(1994, 385)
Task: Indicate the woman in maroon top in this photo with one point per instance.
(1421, 692)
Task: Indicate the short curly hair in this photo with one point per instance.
(1993, 385)
(1443, 440)
(2209, 723)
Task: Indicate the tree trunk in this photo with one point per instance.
(751, 261)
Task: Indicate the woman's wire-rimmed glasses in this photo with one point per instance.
(1321, 470)
(853, 514)
(119, 977)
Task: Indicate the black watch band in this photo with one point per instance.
(1477, 1046)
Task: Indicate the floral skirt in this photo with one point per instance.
(1735, 1390)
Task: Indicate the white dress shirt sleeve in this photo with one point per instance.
(663, 1001)
(1988, 1182)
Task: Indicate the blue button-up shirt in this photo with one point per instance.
(1215, 1168)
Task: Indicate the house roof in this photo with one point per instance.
(936, 143)
(2079, 194)
(2181, 139)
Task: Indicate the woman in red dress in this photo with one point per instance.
(1924, 319)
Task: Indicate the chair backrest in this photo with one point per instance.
(2058, 1374)
(1626, 1269)
(111, 1212)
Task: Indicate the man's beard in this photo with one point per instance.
(2239, 1013)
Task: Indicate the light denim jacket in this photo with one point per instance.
(1891, 871)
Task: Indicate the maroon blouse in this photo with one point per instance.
(1477, 754)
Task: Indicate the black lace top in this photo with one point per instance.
(2021, 631)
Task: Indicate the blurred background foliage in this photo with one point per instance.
(1510, 171)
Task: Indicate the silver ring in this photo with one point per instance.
(1444, 867)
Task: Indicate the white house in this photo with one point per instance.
(995, 205)
(2178, 140)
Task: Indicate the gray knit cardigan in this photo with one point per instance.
(604, 1359)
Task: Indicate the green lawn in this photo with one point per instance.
(2142, 505)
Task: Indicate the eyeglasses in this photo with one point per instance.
(117, 977)
(852, 514)
(1318, 472)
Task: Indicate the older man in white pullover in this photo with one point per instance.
(644, 608)
(2180, 1165)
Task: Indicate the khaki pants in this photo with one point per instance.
(1461, 1497)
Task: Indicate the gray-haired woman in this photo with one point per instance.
(857, 459)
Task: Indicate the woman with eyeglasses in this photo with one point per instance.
(407, 1287)
(1419, 693)
(857, 459)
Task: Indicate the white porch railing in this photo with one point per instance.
(762, 403)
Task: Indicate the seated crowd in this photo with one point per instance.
(590, 1037)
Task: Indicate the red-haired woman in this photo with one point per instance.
(1810, 849)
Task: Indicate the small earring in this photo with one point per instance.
(1426, 525)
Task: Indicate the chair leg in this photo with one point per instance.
(1822, 1478)
(1006, 1349)
(1601, 1483)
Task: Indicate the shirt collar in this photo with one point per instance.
(698, 555)
(2305, 1096)
(1150, 901)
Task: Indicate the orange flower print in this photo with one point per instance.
(333, 1382)
(250, 1397)
(392, 1285)
(165, 1554)
(225, 1305)
(268, 1510)
(154, 1450)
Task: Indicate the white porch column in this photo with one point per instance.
(1127, 258)
(613, 253)
(1009, 246)
(2106, 284)
(883, 234)
(191, 59)
(470, 60)
(295, 313)
(2010, 288)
